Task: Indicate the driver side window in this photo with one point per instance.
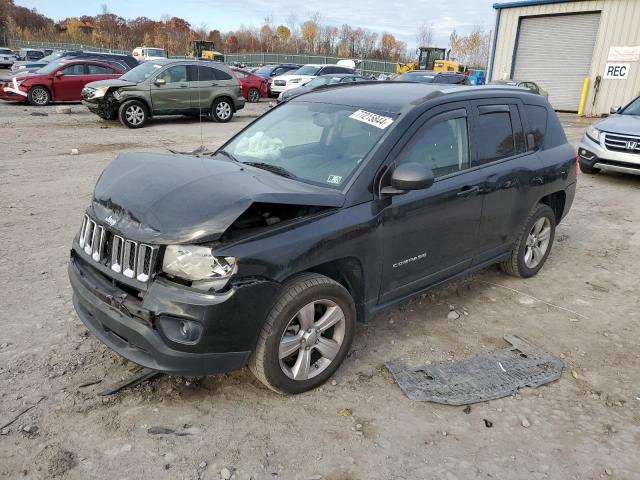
(442, 146)
(175, 74)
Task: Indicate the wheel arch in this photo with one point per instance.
(46, 87)
(141, 99)
(557, 201)
(348, 272)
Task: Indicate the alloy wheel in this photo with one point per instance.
(254, 95)
(223, 110)
(537, 242)
(134, 115)
(40, 96)
(312, 340)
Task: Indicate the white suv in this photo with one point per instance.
(299, 77)
(7, 58)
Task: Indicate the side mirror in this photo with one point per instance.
(160, 81)
(59, 73)
(615, 109)
(409, 176)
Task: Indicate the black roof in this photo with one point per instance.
(340, 75)
(394, 97)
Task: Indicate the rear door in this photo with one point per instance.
(431, 234)
(174, 96)
(68, 86)
(512, 173)
(210, 83)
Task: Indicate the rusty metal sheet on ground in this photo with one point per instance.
(486, 376)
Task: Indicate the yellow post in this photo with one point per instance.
(583, 97)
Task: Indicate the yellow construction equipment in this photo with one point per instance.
(205, 49)
(431, 58)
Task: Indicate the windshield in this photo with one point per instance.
(266, 70)
(141, 72)
(156, 52)
(5, 51)
(633, 108)
(322, 144)
(323, 80)
(421, 77)
(306, 70)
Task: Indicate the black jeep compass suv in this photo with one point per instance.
(324, 211)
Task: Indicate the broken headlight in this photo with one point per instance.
(99, 92)
(198, 265)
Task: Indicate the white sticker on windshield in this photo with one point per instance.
(372, 119)
(334, 179)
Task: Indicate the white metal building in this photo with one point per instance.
(559, 43)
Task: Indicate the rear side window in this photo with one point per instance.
(555, 133)
(221, 75)
(499, 133)
(537, 119)
(199, 73)
(77, 69)
(100, 70)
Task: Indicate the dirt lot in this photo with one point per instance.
(586, 425)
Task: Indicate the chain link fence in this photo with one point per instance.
(367, 67)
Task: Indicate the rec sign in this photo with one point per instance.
(617, 71)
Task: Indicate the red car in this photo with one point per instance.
(57, 82)
(253, 86)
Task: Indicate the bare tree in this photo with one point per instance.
(424, 36)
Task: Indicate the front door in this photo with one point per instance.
(174, 95)
(69, 81)
(431, 234)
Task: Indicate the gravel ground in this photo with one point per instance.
(583, 306)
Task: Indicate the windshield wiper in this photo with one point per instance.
(283, 172)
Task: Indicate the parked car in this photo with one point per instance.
(58, 81)
(144, 54)
(321, 82)
(166, 87)
(268, 72)
(301, 76)
(253, 86)
(326, 210)
(126, 62)
(7, 58)
(613, 143)
(533, 86)
(31, 54)
(429, 76)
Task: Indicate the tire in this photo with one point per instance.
(253, 96)
(133, 114)
(538, 231)
(310, 299)
(588, 170)
(222, 110)
(39, 96)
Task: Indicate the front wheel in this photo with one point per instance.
(39, 96)
(306, 336)
(533, 245)
(222, 110)
(133, 114)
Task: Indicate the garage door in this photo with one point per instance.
(556, 52)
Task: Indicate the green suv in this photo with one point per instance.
(166, 87)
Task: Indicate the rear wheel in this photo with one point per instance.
(588, 170)
(534, 243)
(133, 114)
(254, 95)
(39, 96)
(222, 110)
(306, 336)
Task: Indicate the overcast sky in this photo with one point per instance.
(399, 17)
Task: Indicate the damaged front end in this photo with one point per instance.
(154, 269)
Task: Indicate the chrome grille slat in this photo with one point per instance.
(132, 259)
(620, 143)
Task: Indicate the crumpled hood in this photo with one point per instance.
(169, 198)
(114, 82)
(624, 124)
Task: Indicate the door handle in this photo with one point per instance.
(215, 85)
(467, 190)
(182, 85)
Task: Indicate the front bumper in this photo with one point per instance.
(277, 88)
(230, 321)
(595, 155)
